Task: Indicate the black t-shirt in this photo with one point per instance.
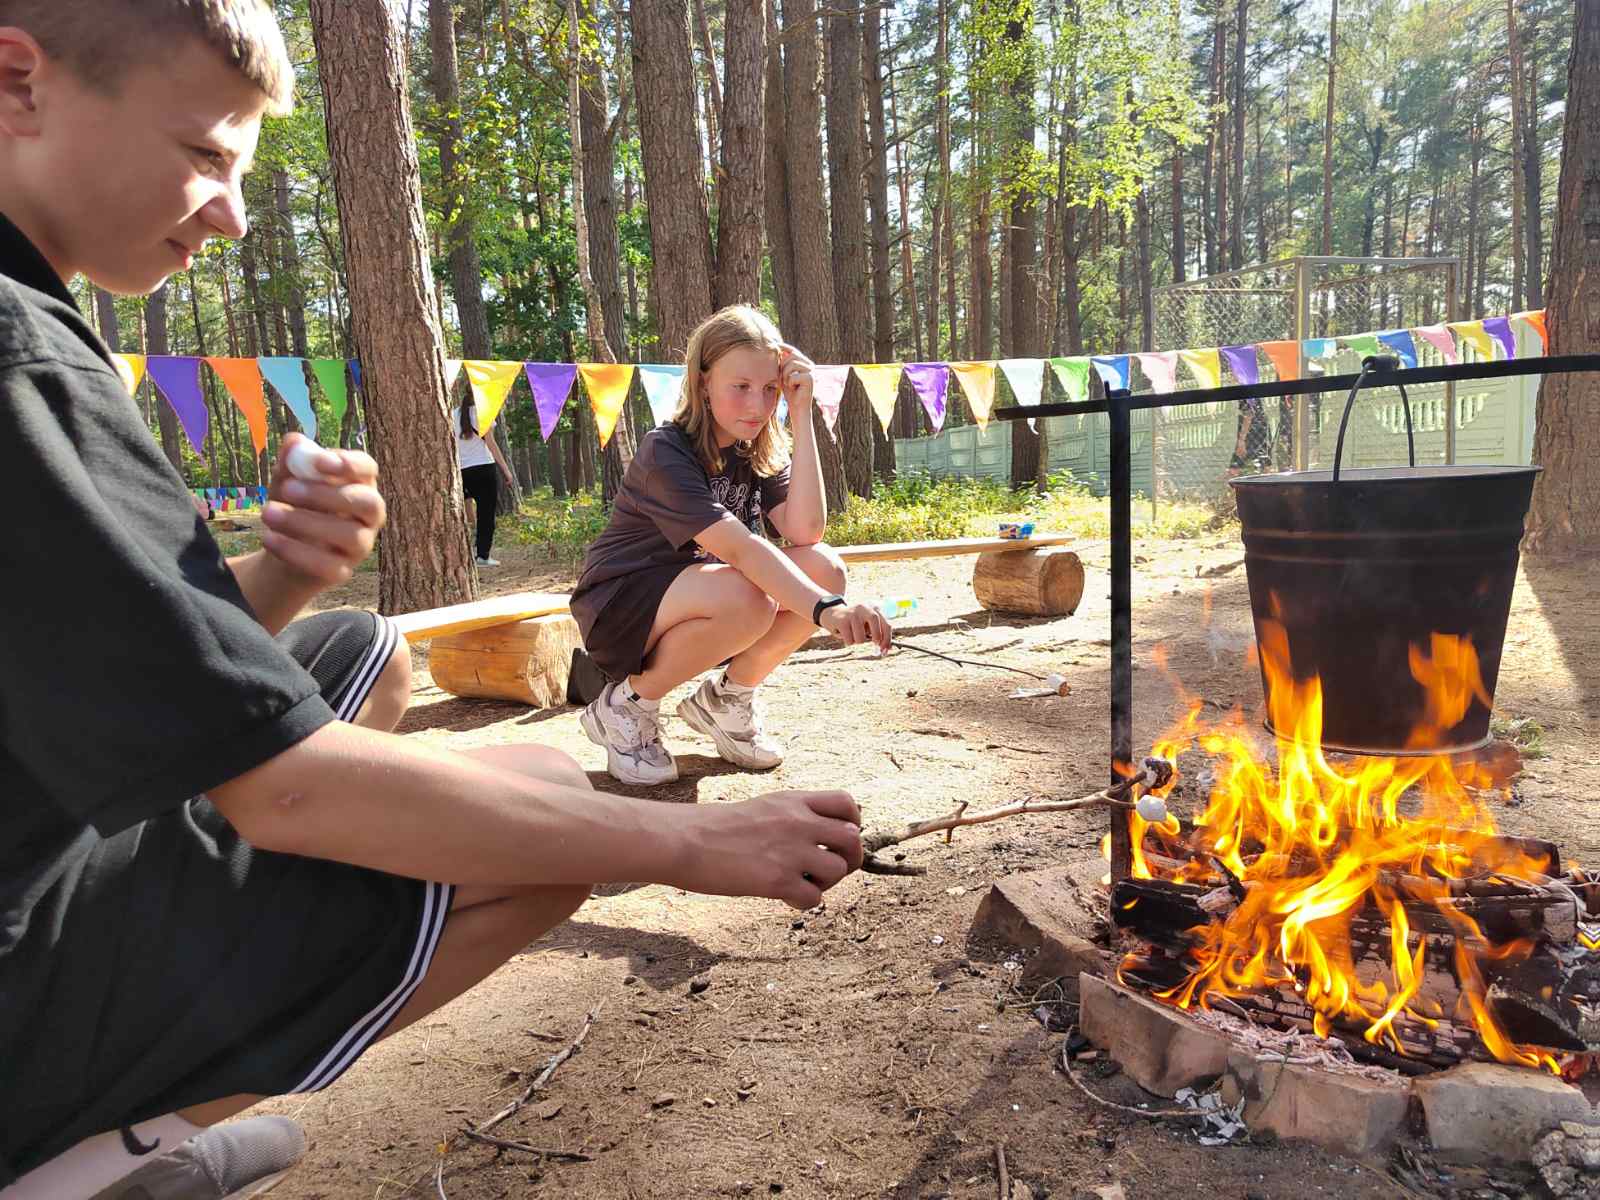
(666, 500)
(135, 675)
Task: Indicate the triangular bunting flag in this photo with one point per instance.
(1161, 369)
(131, 368)
(355, 373)
(1363, 344)
(977, 382)
(882, 382)
(242, 378)
(1284, 357)
(1401, 342)
(1439, 338)
(827, 391)
(663, 388)
(1319, 347)
(1112, 369)
(491, 384)
(330, 374)
(452, 372)
(1242, 362)
(1206, 365)
(288, 379)
(1473, 334)
(178, 378)
(1073, 375)
(608, 385)
(1499, 328)
(931, 382)
(1026, 377)
(551, 384)
(1535, 319)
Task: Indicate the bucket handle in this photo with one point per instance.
(1374, 364)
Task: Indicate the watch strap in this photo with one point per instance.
(825, 602)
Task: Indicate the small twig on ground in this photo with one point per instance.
(1164, 1114)
(438, 1179)
(1000, 1166)
(543, 1077)
(526, 1147)
(876, 866)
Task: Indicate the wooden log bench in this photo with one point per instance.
(519, 647)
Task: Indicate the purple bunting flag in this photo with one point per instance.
(178, 379)
(551, 384)
(1500, 329)
(1241, 361)
(931, 382)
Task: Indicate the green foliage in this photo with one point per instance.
(562, 529)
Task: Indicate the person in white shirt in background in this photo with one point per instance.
(478, 458)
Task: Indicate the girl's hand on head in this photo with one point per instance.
(794, 376)
(856, 623)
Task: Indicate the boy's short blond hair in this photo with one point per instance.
(101, 39)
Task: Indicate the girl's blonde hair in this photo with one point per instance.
(735, 327)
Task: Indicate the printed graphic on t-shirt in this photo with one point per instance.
(743, 500)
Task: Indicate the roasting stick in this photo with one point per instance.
(1153, 773)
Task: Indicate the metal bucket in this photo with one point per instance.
(1360, 566)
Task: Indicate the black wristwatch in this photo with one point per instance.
(825, 602)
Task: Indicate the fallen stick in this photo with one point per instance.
(526, 1147)
(543, 1078)
(1153, 773)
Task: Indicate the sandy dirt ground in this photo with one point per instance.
(871, 1048)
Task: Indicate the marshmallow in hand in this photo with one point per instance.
(303, 461)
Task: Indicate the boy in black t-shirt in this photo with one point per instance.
(220, 877)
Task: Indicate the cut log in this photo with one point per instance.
(1038, 583)
(527, 661)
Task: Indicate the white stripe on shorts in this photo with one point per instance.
(385, 638)
(435, 908)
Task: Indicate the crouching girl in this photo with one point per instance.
(685, 578)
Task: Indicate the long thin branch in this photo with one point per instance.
(526, 1147)
(543, 1078)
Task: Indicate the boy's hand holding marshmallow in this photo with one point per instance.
(323, 511)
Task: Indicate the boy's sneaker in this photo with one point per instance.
(488, 562)
(631, 733)
(732, 718)
(244, 1158)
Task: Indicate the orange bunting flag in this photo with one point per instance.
(1535, 319)
(1284, 357)
(1473, 334)
(882, 382)
(1206, 365)
(131, 368)
(608, 385)
(491, 384)
(242, 378)
(977, 383)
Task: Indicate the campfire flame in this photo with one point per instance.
(1310, 844)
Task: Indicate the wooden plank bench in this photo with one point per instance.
(519, 647)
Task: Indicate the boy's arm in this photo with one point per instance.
(357, 796)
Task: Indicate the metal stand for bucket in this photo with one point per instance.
(1119, 404)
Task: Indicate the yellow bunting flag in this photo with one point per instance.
(131, 368)
(1535, 319)
(242, 378)
(1284, 357)
(608, 385)
(1206, 365)
(1475, 335)
(977, 382)
(491, 384)
(452, 372)
(882, 381)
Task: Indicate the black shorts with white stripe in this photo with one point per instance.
(203, 967)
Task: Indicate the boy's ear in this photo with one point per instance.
(21, 57)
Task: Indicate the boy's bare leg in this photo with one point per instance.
(390, 696)
(709, 614)
(486, 925)
(789, 630)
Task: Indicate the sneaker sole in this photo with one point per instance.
(699, 720)
(615, 767)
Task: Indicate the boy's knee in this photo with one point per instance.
(391, 693)
(821, 562)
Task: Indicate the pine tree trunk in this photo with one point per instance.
(1179, 252)
(780, 239)
(105, 307)
(980, 322)
(908, 275)
(1532, 171)
(1219, 120)
(1327, 132)
(742, 182)
(878, 194)
(1147, 310)
(858, 426)
(817, 322)
(1236, 238)
(466, 271)
(680, 238)
(291, 264)
(424, 560)
(156, 342)
(1565, 517)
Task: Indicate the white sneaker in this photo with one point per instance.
(631, 734)
(244, 1158)
(488, 562)
(733, 720)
